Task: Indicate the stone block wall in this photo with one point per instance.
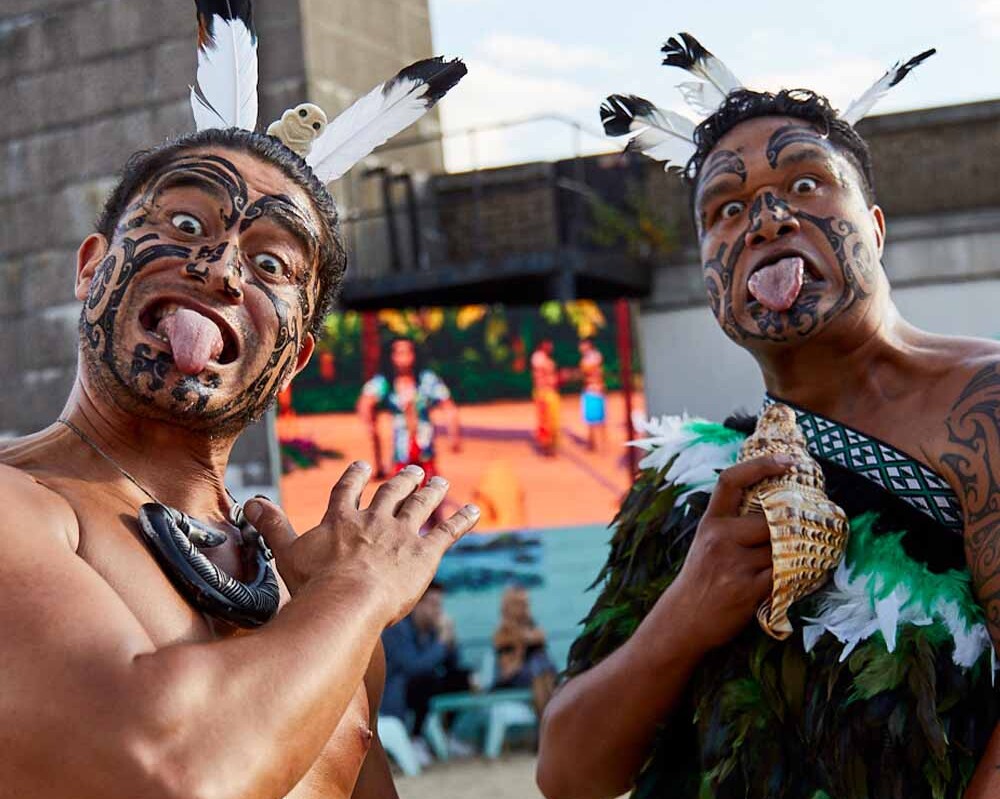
(85, 83)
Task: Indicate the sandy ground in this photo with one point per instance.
(509, 777)
(575, 487)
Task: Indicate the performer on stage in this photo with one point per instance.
(545, 393)
(886, 687)
(144, 654)
(593, 398)
(410, 392)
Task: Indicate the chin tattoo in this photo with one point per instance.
(146, 376)
(854, 257)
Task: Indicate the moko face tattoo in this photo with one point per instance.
(787, 240)
(198, 310)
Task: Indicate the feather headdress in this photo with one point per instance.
(669, 137)
(226, 95)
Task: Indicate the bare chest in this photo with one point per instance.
(110, 542)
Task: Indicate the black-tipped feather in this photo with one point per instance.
(381, 114)
(619, 111)
(683, 53)
(440, 76)
(860, 107)
(226, 9)
(904, 70)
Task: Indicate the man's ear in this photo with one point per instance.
(88, 257)
(305, 353)
(878, 220)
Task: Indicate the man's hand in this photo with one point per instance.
(377, 549)
(727, 572)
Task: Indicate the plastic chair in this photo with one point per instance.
(396, 742)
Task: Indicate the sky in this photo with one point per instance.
(559, 57)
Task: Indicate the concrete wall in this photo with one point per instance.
(83, 84)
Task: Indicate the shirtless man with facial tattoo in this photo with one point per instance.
(791, 242)
(200, 292)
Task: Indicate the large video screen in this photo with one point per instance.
(522, 408)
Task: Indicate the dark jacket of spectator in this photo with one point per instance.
(410, 653)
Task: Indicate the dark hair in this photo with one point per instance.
(141, 166)
(804, 104)
(388, 370)
(435, 585)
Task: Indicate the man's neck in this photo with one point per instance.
(180, 467)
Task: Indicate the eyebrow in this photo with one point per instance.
(285, 213)
(786, 136)
(721, 186)
(180, 180)
(807, 153)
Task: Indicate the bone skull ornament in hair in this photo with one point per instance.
(299, 127)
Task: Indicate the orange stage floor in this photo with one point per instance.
(574, 487)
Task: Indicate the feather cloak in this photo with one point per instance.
(763, 719)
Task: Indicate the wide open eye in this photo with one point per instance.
(805, 185)
(270, 264)
(187, 224)
(731, 209)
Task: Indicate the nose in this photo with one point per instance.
(771, 218)
(220, 269)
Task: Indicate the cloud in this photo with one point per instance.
(519, 52)
(987, 15)
(838, 76)
(491, 94)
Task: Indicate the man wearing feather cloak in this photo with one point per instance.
(886, 687)
(143, 653)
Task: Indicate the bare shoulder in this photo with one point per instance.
(27, 505)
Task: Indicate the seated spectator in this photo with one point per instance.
(421, 660)
(522, 660)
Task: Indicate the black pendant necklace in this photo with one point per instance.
(175, 540)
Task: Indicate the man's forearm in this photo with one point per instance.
(252, 713)
(626, 697)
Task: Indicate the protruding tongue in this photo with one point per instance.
(194, 339)
(777, 286)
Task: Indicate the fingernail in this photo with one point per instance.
(472, 510)
(414, 469)
(438, 481)
(363, 465)
(784, 459)
(253, 511)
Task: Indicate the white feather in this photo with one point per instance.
(663, 136)
(717, 73)
(371, 121)
(227, 78)
(858, 109)
(694, 464)
(702, 97)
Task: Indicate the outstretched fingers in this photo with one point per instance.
(391, 494)
(454, 527)
(418, 506)
(346, 493)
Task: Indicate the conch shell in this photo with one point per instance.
(808, 531)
